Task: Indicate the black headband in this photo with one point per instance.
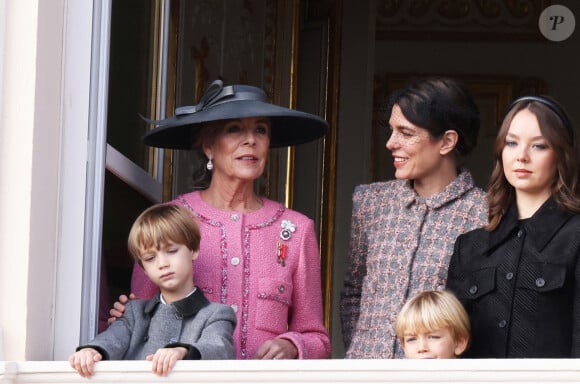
(555, 107)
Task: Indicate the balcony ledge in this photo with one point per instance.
(304, 371)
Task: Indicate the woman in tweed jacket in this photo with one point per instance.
(256, 255)
(403, 231)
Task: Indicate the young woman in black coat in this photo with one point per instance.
(519, 278)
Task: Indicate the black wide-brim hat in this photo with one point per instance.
(289, 126)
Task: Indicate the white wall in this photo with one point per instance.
(44, 179)
(76, 119)
(16, 170)
(44, 100)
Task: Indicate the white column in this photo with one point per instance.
(16, 157)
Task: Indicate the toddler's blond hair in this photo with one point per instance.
(430, 311)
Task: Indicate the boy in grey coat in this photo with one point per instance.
(179, 322)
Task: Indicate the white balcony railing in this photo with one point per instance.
(304, 371)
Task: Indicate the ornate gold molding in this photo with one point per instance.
(459, 19)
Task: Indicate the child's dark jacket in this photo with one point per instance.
(205, 329)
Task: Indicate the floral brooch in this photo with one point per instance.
(288, 228)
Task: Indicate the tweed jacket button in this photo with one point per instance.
(502, 324)
(235, 261)
(473, 289)
(509, 276)
(520, 233)
(540, 282)
(281, 289)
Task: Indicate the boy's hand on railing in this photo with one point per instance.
(84, 361)
(165, 358)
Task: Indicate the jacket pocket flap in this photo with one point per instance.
(277, 290)
(541, 277)
(477, 283)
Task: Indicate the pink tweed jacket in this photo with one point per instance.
(401, 245)
(273, 284)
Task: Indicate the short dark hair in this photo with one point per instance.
(440, 104)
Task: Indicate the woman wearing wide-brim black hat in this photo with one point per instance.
(288, 126)
(255, 254)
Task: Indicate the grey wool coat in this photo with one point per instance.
(205, 329)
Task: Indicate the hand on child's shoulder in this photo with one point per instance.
(119, 307)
